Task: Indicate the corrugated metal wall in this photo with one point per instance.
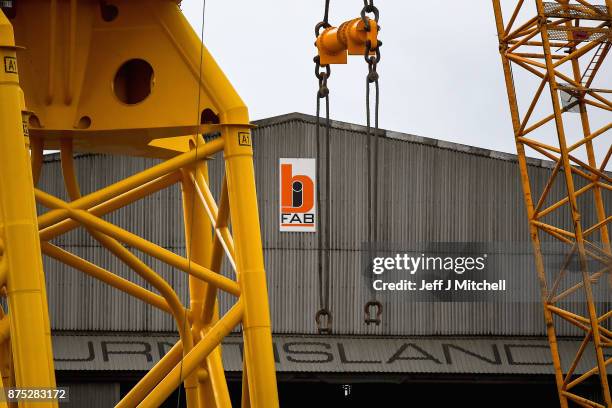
(91, 395)
(428, 191)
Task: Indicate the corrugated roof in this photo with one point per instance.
(406, 137)
(330, 354)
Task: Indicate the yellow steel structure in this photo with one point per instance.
(129, 77)
(563, 46)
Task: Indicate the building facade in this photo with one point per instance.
(426, 196)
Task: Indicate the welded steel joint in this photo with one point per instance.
(336, 43)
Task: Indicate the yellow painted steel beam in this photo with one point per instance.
(152, 378)
(68, 172)
(105, 276)
(171, 298)
(143, 245)
(178, 312)
(592, 136)
(6, 359)
(222, 231)
(215, 373)
(257, 332)
(133, 182)
(73, 189)
(5, 328)
(212, 385)
(216, 257)
(594, 278)
(36, 153)
(583, 346)
(113, 204)
(29, 323)
(115, 93)
(202, 349)
(245, 398)
(3, 270)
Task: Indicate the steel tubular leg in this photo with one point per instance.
(153, 377)
(6, 360)
(212, 387)
(199, 352)
(2, 403)
(216, 376)
(29, 323)
(257, 332)
(245, 398)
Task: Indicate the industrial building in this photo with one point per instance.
(175, 253)
(428, 191)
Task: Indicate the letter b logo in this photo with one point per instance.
(297, 195)
(297, 191)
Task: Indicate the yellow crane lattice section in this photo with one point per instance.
(563, 46)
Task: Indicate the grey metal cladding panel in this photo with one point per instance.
(324, 353)
(348, 196)
(91, 395)
(158, 218)
(401, 316)
(291, 139)
(79, 302)
(298, 139)
(293, 289)
(427, 193)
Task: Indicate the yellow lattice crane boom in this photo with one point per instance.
(563, 46)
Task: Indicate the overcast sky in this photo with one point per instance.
(441, 74)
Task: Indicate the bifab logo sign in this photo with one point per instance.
(298, 211)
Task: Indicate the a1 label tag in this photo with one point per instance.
(244, 138)
(10, 65)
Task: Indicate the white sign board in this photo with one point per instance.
(297, 195)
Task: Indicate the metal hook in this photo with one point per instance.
(319, 316)
(368, 312)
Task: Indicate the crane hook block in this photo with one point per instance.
(336, 43)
